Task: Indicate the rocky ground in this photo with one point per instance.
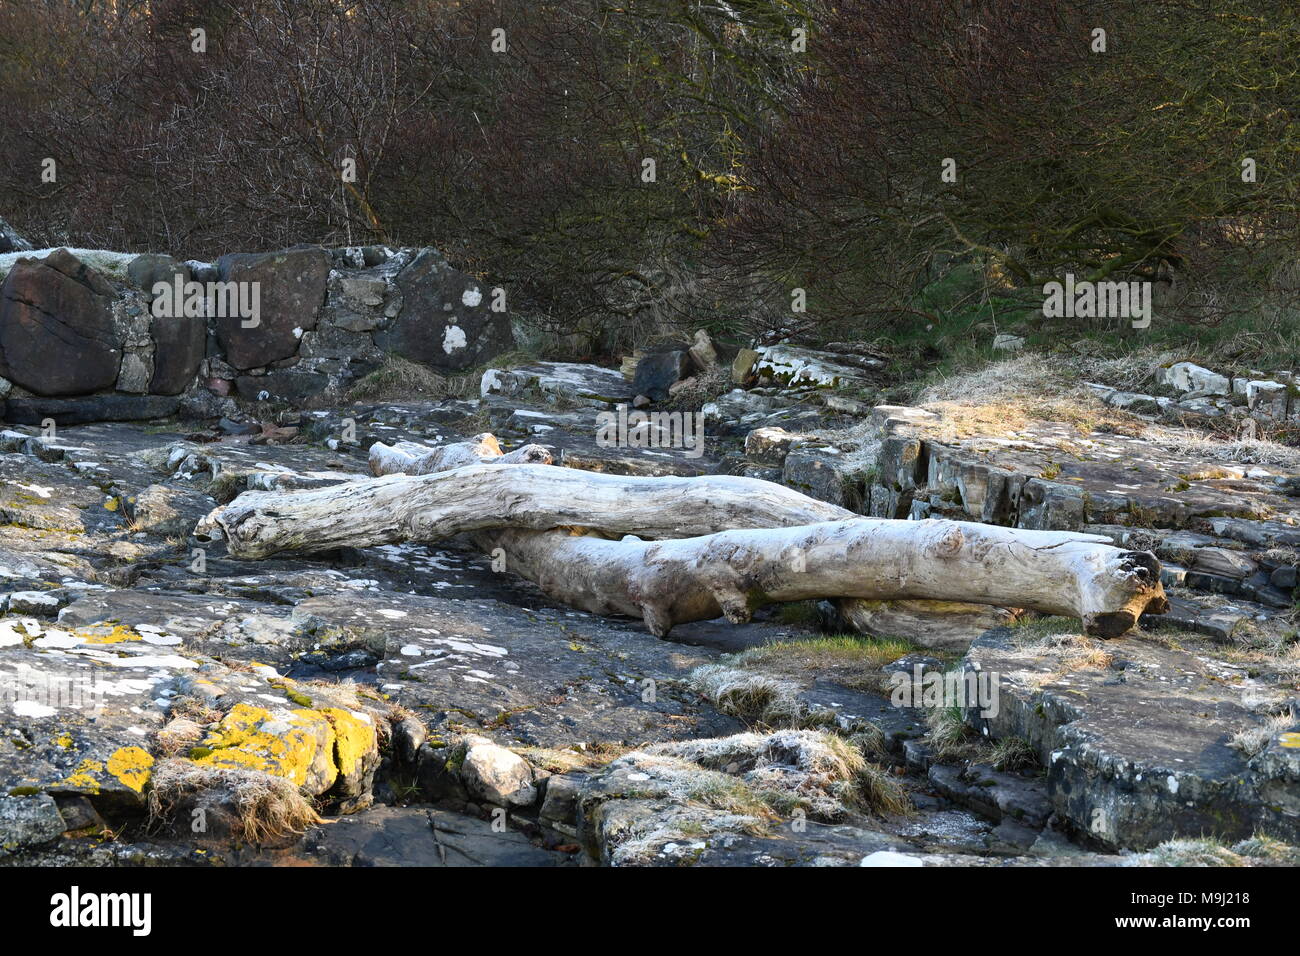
(408, 704)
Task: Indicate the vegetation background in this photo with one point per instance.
(776, 167)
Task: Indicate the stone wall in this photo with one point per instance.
(80, 340)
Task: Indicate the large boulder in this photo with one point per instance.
(178, 341)
(57, 335)
(291, 287)
(178, 347)
(446, 321)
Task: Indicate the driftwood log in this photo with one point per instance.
(734, 572)
(721, 545)
(396, 508)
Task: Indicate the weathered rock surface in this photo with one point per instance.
(178, 347)
(292, 289)
(57, 335)
(1138, 743)
(550, 716)
(109, 407)
(585, 384)
(790, 366)
(447, 320)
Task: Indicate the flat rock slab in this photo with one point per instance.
(197, 624)
(113, 407)
(78, 707)
(1066, 479)
(585, 384)
(420, 836)
(1137, 752)
(535, 678)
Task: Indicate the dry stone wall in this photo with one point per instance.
(83, 336)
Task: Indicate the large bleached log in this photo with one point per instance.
(734, 572)
(745, 542)
(398, 508)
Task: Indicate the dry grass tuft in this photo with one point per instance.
(1246, 451)
(849, 660)
(1253, 740)
(950, 736)
(1012, 754)
(1264, 848)
(180, 734)
(399, 379)
(1202, 852)
(258, 805)
(820, 773)
(753, 697)
(195, 708)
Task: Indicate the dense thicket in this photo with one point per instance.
(776, 167)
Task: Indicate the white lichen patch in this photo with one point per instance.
(453, 338)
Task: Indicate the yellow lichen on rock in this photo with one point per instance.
(132, 766)
(83, 778)
(107, 634)
(355, 738)
(297, 745)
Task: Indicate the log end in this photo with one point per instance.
(657, 620)
(1141, 572)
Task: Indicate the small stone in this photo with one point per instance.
(742, 367)
(27, 822)
(561, 801)
(40, 603)
(769, 445)
(497, 775)
(409, 736)
(702, 351)
(1284, 578)
(1190, 377)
